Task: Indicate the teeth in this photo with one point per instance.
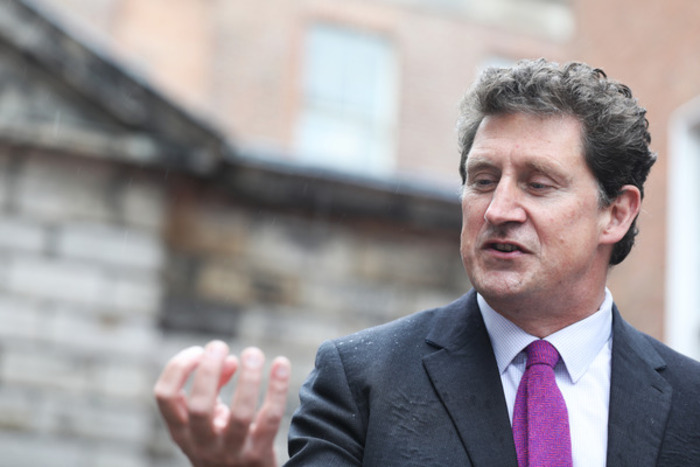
(505, 247)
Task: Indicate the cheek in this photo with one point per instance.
(575, 227)
(471, 226)
(472, 220)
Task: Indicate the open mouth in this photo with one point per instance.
(505, 247)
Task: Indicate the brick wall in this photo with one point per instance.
(242, 63)
(652, 47)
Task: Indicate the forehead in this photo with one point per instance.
(528, 139)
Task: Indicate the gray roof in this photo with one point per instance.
(65, 95)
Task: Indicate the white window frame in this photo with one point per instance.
(377, 149)
(683, 235)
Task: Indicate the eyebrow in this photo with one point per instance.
(547, 168)
(544, 167)
(476, 163)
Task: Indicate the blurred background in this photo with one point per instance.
(276, 173)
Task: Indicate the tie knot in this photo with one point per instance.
(541, 351)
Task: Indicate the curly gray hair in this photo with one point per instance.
(615, 129)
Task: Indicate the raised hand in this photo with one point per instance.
(210, 432)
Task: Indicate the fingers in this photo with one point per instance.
(229, 368)
(168, 389)
(270, 416)
(203, 396)
(245, 398)
(209, 431)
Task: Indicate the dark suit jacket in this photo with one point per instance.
(425, 391)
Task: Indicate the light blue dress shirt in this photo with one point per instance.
(582, 374)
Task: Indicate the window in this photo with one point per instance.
(348, 112)
(683, 293)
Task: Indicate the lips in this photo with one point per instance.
(504, 246)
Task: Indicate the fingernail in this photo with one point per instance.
(281, 371)
(217, 348)
(191, 352)
(253, 359)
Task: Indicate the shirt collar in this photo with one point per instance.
(578, 344)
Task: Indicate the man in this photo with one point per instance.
(554, 160)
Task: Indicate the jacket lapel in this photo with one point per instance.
(640, 398)
(465, 376)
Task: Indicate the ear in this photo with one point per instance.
(620, 214)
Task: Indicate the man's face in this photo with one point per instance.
(532, 222)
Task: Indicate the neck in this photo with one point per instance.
(542, 318)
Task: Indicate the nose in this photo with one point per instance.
(506, 205)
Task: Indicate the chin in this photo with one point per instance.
(500, 286)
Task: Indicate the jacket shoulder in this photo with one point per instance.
(411, 328)
(682, 367)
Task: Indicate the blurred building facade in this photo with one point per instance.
(275, 173)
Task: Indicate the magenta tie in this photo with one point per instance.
(540, 419)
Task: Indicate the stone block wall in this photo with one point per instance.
(107, 270)
(286, 280)
(80, 292)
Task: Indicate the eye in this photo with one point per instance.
(483, 182)
(540, 186)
